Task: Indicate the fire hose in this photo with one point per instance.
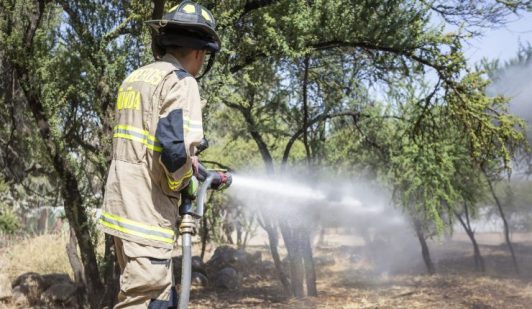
(187, 228)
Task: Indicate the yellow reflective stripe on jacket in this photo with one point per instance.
(136, 228)
(138, 135)
(192, 125)
(174, 185)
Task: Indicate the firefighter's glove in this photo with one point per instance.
(223, 181)
(191, 191)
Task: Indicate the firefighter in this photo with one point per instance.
(158, 126)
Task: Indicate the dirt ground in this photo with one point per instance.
(362, 278)
(388, 274)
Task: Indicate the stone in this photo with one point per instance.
(60, 295)
(239, 259)
(223, 256)
(19, 299)
(5, 288)
(31, 285)
(199, 279)
(54, 278)
(197, 266)
(226, 278)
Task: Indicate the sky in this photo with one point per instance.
(514, 82)
(501, 43)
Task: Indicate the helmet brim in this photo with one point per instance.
(162, 25)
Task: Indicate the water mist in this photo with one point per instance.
(361, 207)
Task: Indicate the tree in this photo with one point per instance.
(63, 70)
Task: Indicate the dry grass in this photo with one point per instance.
(42, 254)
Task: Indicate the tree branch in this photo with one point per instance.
(311, 122)
(121, 29)
(252, 129)
(157, 13)
(252, 5)
(367, 45)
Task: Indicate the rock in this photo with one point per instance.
(226, 278)
(223, 256)
(31, 285)
(19, 299)
(5, 288)
(62, 294)
(199, 279)
(54, 278)
(52, 290)
(197, 266)
(243, 262)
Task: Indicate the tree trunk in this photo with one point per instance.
(73, 201)
(157, 13)
(73, 258)
(295, 258)
(305, 108)
(308, 259)
(77, 266)
(424, 248)
(504, 221)
(111, 275)
(479, 260)
(274, 243)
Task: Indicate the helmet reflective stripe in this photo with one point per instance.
(189, 8)
(206, 15)
(173, 9)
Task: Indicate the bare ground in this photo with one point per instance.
(359, 279)
(390, 275)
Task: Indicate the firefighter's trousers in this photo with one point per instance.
(146, 279)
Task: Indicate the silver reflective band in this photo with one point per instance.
(120, 224)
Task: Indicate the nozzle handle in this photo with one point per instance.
(210, 180)
(219, 178)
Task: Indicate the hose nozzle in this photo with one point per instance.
(220, 179)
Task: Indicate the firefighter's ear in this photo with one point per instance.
(200, 54)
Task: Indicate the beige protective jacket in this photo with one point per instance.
(157, 127)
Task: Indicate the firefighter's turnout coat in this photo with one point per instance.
(157, 126)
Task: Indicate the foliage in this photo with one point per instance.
(9, 222)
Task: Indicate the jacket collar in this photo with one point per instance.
(171, 59)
